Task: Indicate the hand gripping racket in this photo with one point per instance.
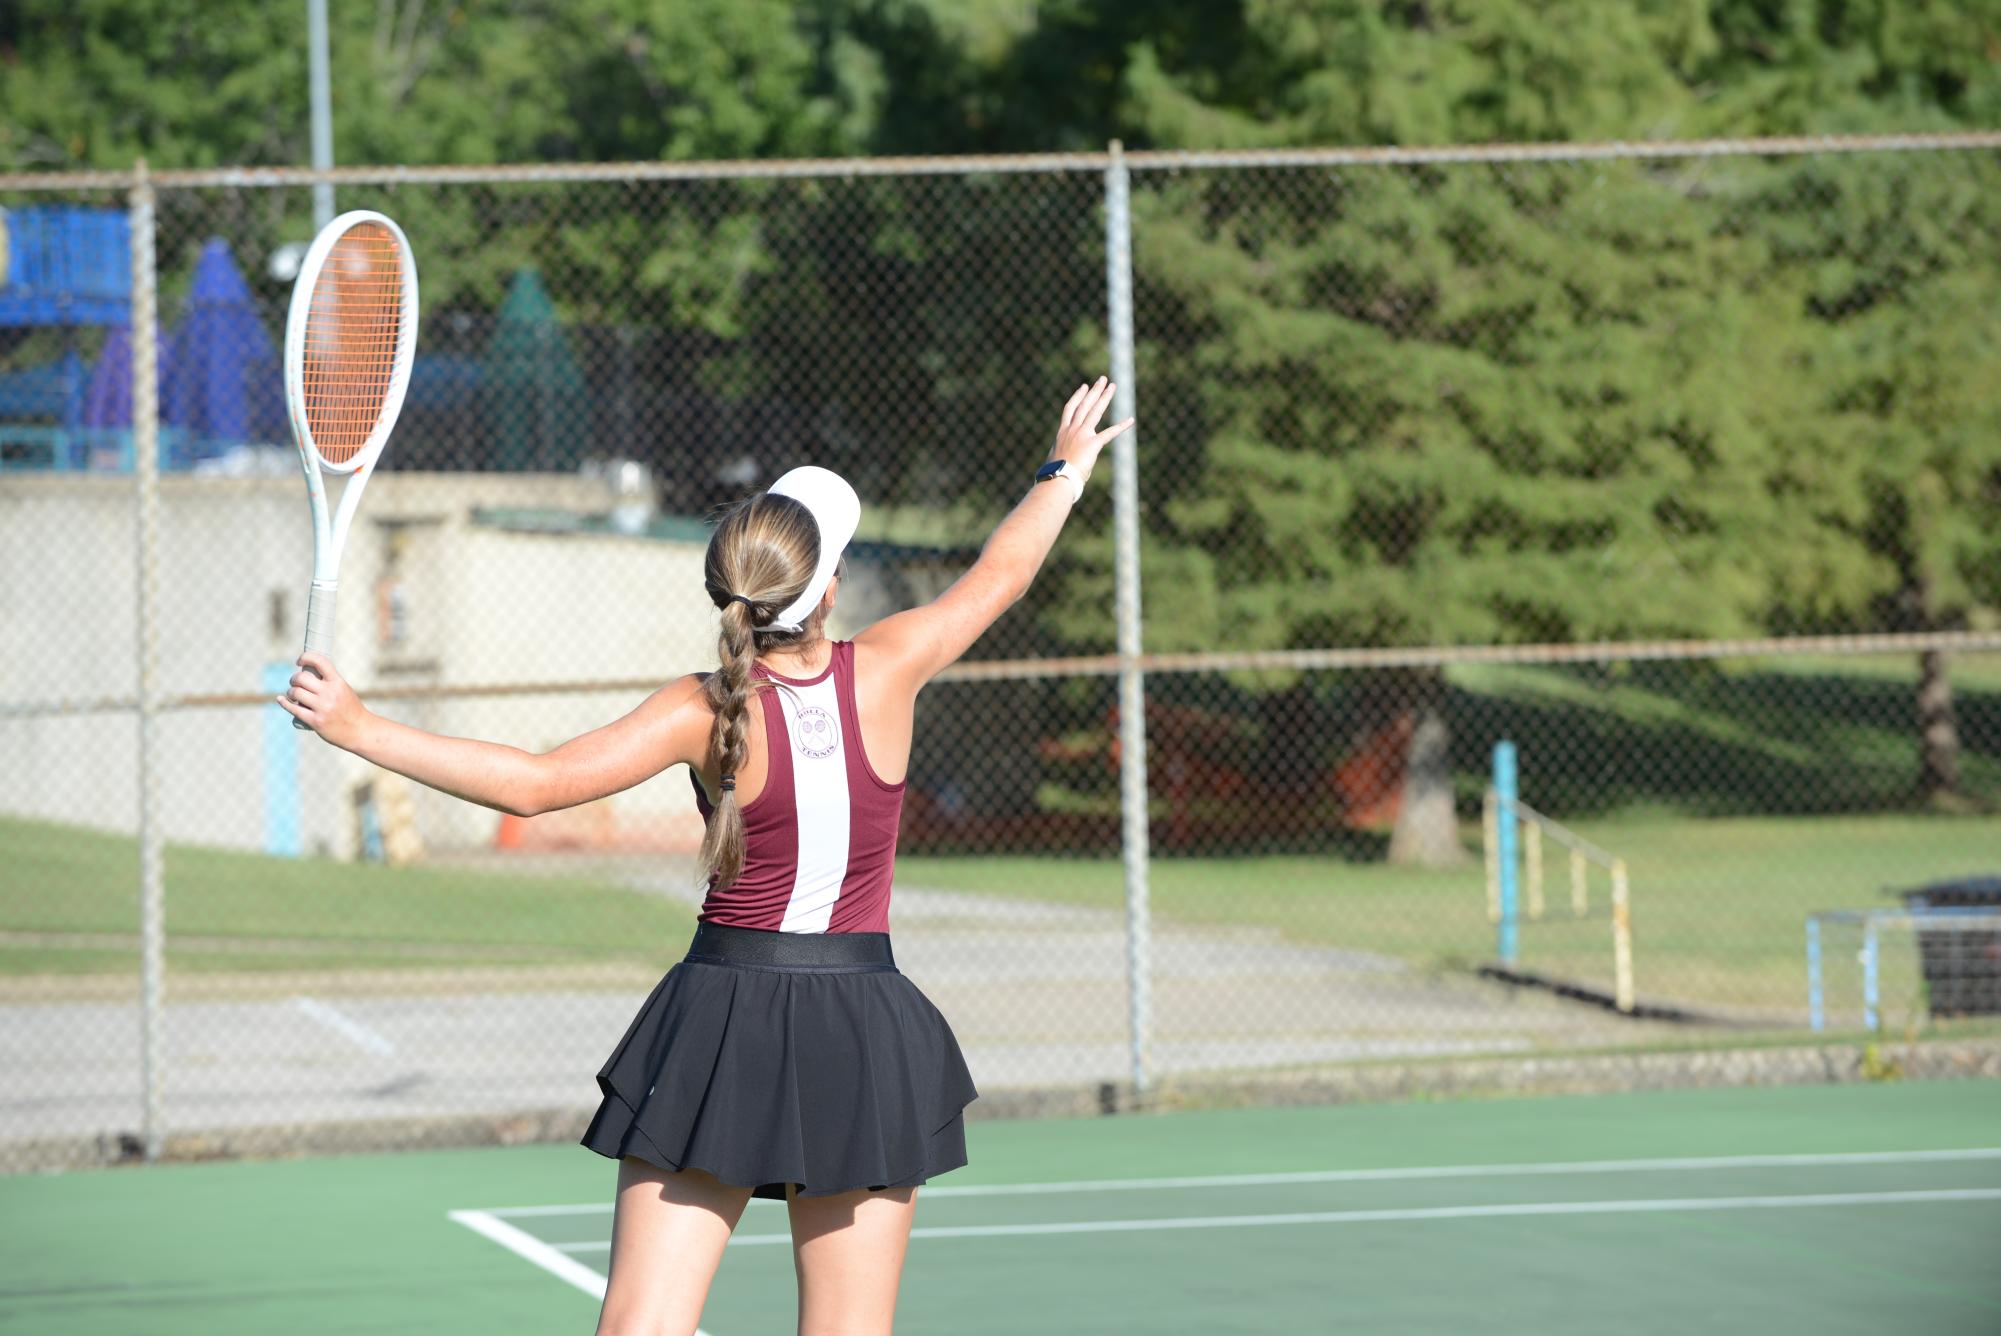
(349, 341)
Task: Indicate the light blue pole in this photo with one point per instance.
(1871, 995)
(281, 769)
(1815, 1006)
(1507, 945)
(371, 831)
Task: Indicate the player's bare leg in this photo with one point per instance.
(848, 1251)
(667, 1238)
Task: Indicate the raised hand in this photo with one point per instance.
(1078, 439)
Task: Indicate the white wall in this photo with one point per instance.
(487, 605)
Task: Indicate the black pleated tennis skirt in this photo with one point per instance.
(770, 1058)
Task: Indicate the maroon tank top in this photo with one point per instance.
(820, 838)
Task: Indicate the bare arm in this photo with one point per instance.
(922, 642)
(656, 734)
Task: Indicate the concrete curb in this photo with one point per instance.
(1590, 1074)
(1510, 1077)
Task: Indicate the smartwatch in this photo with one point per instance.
(1060, 468)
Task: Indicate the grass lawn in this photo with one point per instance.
(1719, 905)
(68, 904)
(1662, 763)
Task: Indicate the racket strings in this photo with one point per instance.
(352, 330)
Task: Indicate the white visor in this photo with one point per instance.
(836, 510)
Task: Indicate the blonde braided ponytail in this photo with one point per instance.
(760, 559)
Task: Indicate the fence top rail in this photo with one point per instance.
(1109, 665)
(1443, 656)
(1143, 160)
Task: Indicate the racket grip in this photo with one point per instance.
(319, 627)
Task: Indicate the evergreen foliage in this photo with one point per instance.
(1410, 405)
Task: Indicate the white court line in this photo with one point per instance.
(345, 1026)
(1390, 1175)
(526, 1245)
(523, 1244)
(1659, 1204)
(1463, 1171)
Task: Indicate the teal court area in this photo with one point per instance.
(1862, 1208)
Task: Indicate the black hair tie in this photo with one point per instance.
(739, 598)
(729, 784)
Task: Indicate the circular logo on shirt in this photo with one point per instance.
(818, 736)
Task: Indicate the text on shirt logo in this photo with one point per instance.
(818, 736)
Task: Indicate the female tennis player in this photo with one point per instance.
(785, 1056)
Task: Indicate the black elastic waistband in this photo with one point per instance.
(823, 952)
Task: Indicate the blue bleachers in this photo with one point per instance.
(65, 265)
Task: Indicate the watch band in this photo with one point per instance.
(1057, 468)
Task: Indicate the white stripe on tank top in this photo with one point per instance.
(820, 798)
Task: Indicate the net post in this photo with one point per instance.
(146, 487)
(1815, 999)
(1532, 857)
(1507, 936)
(1132, 686)
(1622, 937)
(1579, 884)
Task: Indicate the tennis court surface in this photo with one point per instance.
(1825, 1209)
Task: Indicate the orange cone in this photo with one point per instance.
(509, 835)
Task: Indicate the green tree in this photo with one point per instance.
(1383, 406)
(96, 83)
(1463, 404)
(1897, 452)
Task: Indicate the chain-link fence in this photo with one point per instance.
(1663, 481)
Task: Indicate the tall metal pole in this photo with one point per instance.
(1132, 686)
(322, 97)
(146, 471)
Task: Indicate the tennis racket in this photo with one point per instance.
(349, 341)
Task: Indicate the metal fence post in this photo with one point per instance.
(1132, 686)
(146, 474)
(319, 86)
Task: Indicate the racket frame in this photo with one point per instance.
(330, 534)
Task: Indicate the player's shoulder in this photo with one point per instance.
(683, 690)
(871, 642)
(678, 701)
(889, 635)
(681, 709)
(888, 649)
